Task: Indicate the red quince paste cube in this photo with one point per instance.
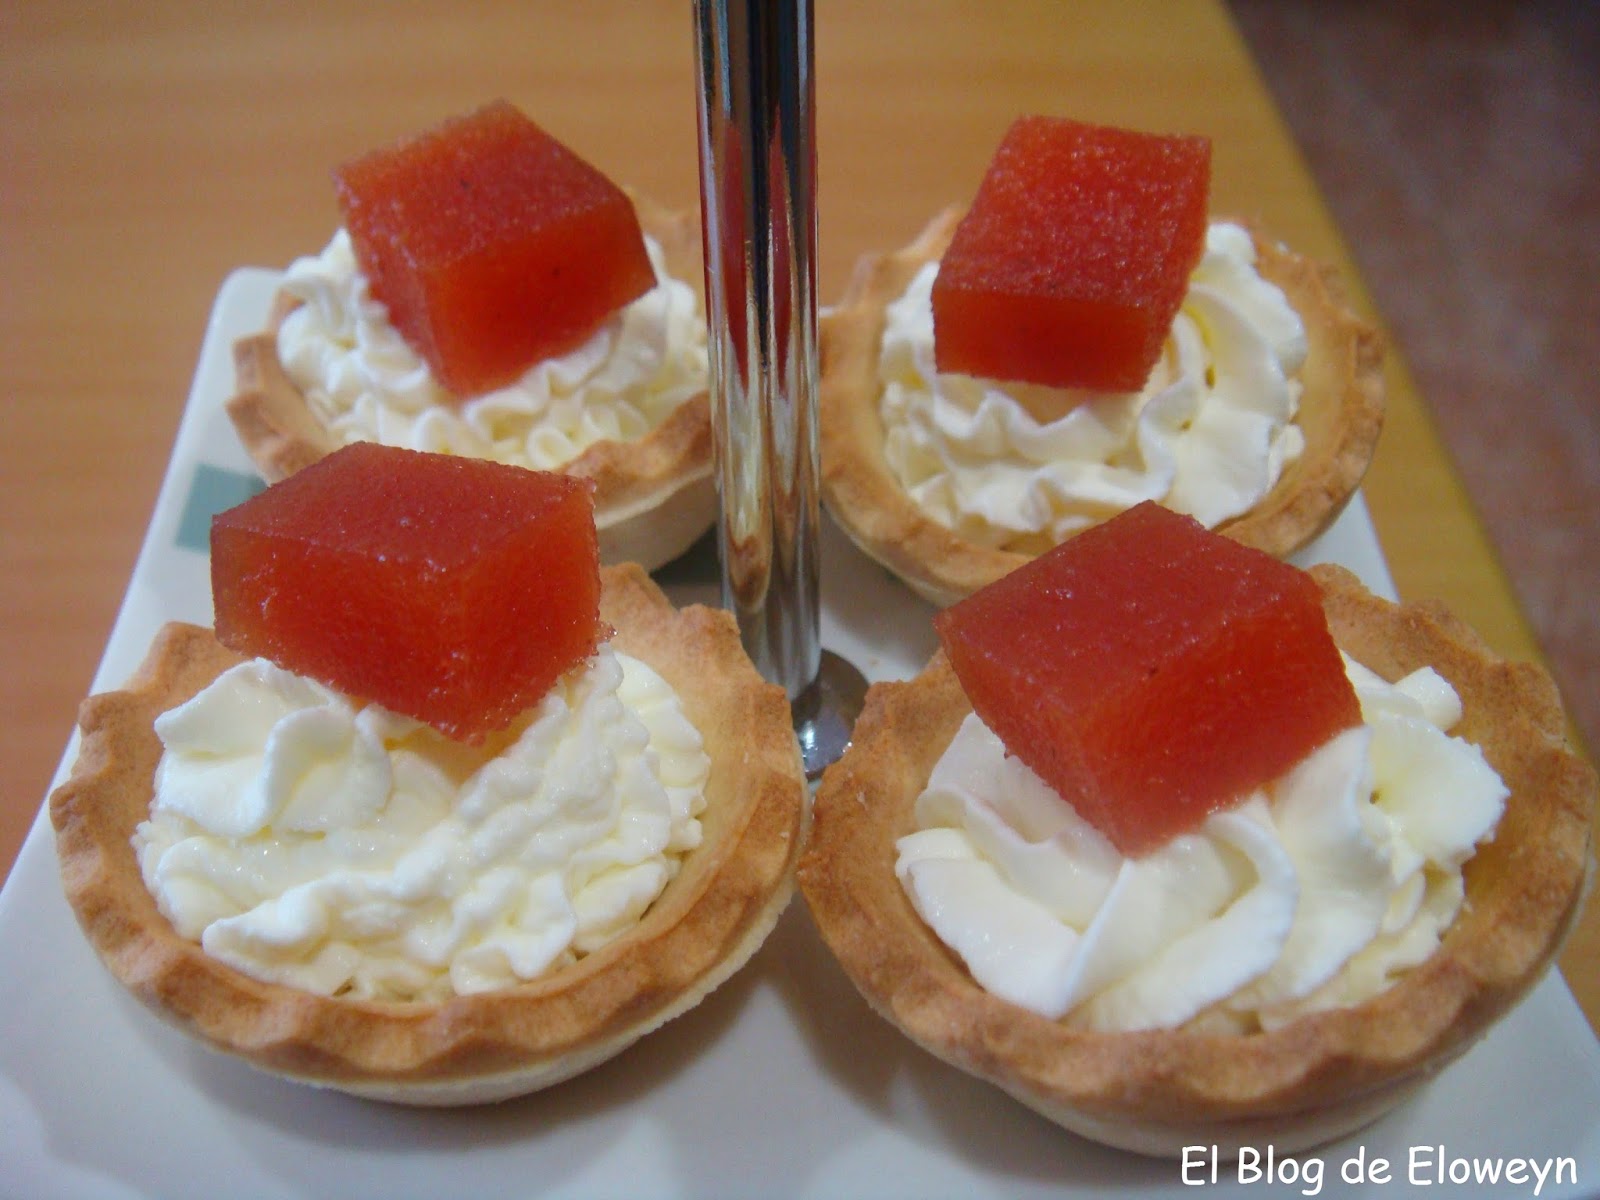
(1152, 672)
(452, 590)
(492, 245)
(1075, 256)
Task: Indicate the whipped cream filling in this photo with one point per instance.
(1209, 435)
(365, 383)
(1316, 891)
(339, 848)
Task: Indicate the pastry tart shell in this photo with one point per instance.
(709, 920)
(654, 496)
(1307, 1082)
(1341, 415)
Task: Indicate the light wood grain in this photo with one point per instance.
(147, 150)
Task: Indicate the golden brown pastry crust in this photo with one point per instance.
(653, 496)
(1312, 1080)
(710, 919)
(1341, 414)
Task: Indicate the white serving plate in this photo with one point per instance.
(783, 1083)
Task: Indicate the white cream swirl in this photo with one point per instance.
(342, 849)
(365, 383)
(1313, 892)
(1209, 435)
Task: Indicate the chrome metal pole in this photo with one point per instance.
(758, 187)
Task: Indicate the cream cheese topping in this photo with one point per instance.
(365, 383)
(1315, 891)
(341, 849)
(1209, 435)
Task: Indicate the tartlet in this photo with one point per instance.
(1341, 415)
(653, 496)
(487, 1046)
(1307, 1082)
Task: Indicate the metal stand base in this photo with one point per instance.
(826, 712)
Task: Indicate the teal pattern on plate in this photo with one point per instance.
(211, 490)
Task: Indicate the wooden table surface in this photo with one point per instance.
(146, 150)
